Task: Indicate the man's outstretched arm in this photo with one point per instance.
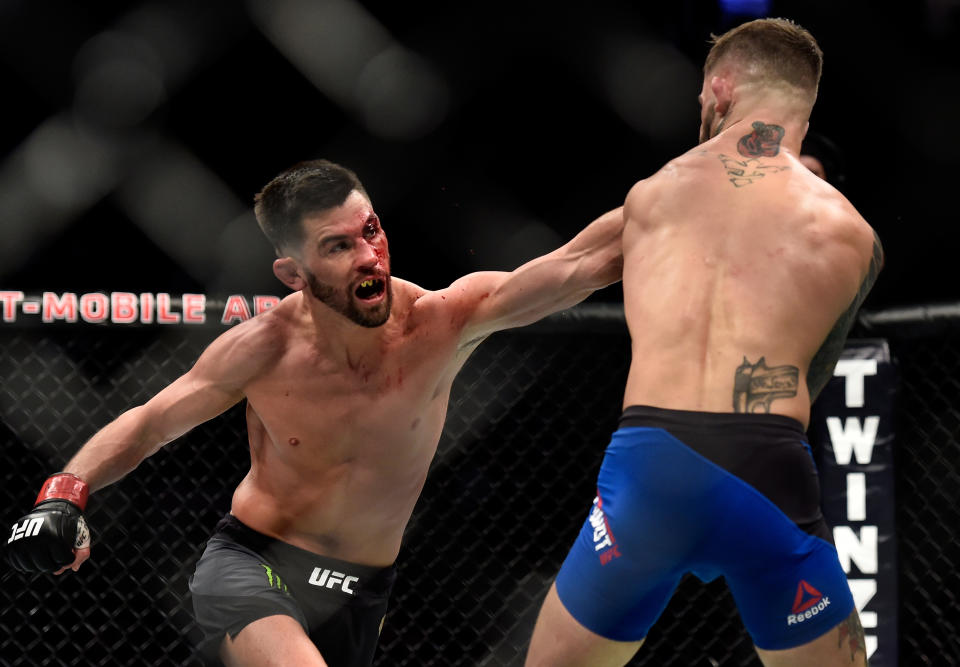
(124, 443)
(545, 285)
(53, 536)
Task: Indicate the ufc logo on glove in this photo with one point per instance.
(29, 528)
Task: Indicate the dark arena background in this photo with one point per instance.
(135, 134)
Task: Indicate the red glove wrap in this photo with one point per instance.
(65, 486)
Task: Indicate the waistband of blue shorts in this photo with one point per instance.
(674, 420)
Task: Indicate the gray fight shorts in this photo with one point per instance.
(244, 575)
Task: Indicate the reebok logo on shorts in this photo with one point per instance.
(603, 541)
(808, 603)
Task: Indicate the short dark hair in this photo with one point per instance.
(305, 188)
(778, 50)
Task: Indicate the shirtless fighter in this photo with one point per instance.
(347, 382)
(742, 275)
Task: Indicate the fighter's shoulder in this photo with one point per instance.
(405, 290)
(667, 177)
(451, 309)
(839, 222)
(462, 292)
(866, 240)
(842, 215)
(261, 338)
(415, 304)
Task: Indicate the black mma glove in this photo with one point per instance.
(44, 540)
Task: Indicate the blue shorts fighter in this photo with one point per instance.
(732, 495)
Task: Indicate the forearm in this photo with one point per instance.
(545, 285)
(114, 451)
(591, 260)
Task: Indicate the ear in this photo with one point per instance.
(288, 272)
(722, 90)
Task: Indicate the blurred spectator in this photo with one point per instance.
(821, 156)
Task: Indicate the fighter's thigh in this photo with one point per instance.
(268, 642)
(843, 645)
(560, 641)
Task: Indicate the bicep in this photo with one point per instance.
(215, 383)
(185, 403)
(494, 301)
(825, 360)
(472, 301)
(206, 390)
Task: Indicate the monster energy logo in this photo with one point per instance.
(274, 579)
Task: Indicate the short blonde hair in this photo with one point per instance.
(775, 50)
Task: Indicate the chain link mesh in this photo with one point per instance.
(928, 499)
(512, 481)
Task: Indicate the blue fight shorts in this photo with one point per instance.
(714, 494)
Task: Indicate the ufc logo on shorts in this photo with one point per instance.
(29, 528)
(329, 579)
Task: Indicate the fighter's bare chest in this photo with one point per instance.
(312, 388)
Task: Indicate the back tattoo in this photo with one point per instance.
(756, 386)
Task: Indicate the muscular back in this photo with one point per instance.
(736, 271)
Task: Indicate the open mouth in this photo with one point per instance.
(370, 289)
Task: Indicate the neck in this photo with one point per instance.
(771, 126)
(340, 336)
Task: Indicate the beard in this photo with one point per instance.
(345, 304)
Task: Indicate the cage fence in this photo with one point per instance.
(511, 483)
